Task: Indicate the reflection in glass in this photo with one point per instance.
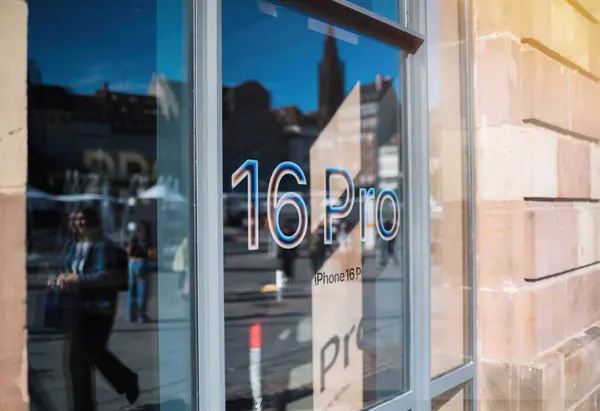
(104, 289)
(390, 9)
(316, 314)
(450, 226)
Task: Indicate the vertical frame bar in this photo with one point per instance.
(206, 244)
(466, 374)
(471, 190)
(418, 201)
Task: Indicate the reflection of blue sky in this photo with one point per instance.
(80, 44)
(280, 51)
(124, 41)
(386, 8)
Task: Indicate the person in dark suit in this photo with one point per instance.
(90, 283)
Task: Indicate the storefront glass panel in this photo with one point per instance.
(451, 292)
(108, 205)
(315, 275)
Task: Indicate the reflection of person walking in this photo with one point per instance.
(181, 266)
(89, 283)
(272, 244)
(342, 238)
(138, 251)
(391, 249)
(391, 246)
(287, 257)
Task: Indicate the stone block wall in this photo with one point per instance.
(537, 93)
(13, 177)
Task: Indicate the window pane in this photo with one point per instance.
(311, 117)
(390, 9)
(459, 398)
(108, 144)
(450, 277)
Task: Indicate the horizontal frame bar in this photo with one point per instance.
(452, 379)
(404, 402)
(361, 20)
(472, 192)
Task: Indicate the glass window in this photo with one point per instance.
(316, 284)
(107, 208)
(450, 277)
(390, 9)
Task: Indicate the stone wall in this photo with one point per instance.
(13, 176)
(536, 90)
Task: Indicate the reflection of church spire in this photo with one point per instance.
(331, 80)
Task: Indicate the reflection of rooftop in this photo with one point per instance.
(52, 105)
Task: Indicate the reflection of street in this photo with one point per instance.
(136, 345)
(286, 346)
(287, 332)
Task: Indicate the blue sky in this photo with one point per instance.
(123, 42)
(80, 45)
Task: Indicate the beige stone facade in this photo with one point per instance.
(13, 175)
(536, 92)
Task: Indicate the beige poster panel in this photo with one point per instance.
(337, 296)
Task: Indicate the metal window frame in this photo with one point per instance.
(354, 17)
(206, 240)
(417, 106)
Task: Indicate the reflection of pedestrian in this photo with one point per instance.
(90, 283)
(138, 251)
(391, 246)
(392, 251)
(319, 249)
(287, 257)
(312, 250)
(181, 266)
(341, 238)
(272, 244)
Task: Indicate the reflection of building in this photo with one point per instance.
(371, 96)
(331, 80)
(250, 124)
(107, 133)
(251, 129)
(172, 150)
(300, 130)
